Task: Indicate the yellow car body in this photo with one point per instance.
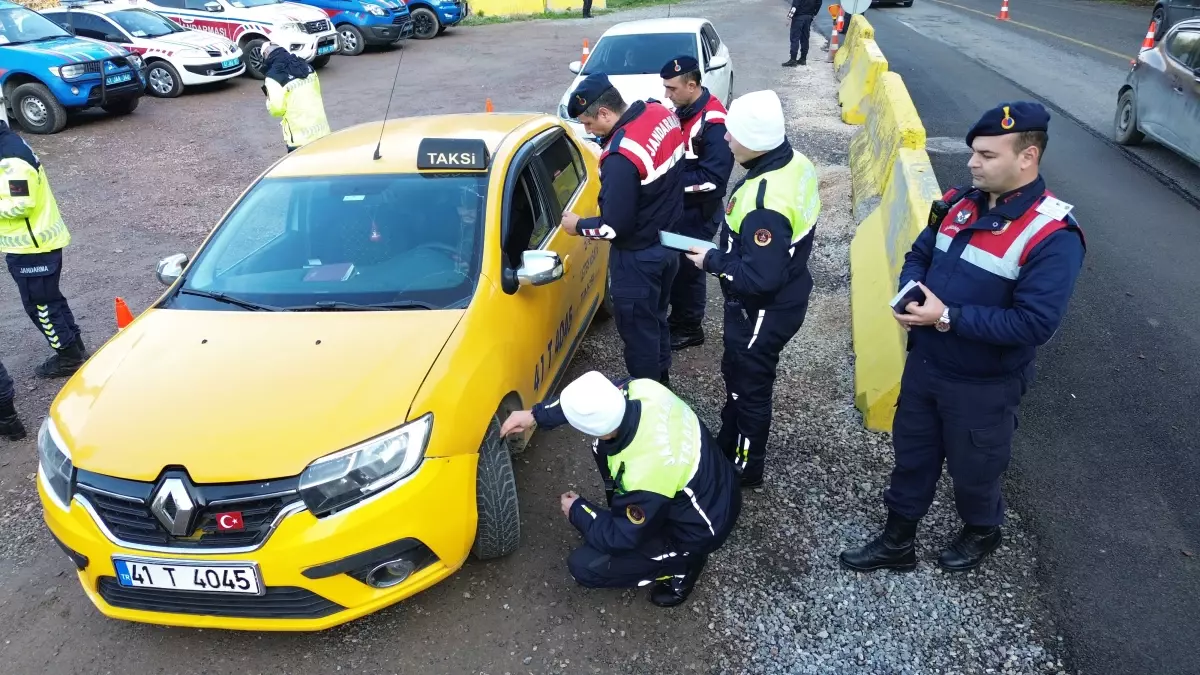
(231, 406)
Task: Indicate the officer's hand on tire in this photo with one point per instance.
(517, 423)
(567, 500)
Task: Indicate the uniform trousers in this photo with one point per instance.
(640, 283)
(37, 276)
(689, 292)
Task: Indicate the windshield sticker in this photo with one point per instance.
(334, 272)
(354, 198)
(138, 33)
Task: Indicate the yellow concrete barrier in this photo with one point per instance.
(892, 124)
(864, 67)
(859, 29)
(876, 256)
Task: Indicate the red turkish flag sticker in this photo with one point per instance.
(231, 520)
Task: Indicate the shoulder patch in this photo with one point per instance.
(635, 514)
(762, 237)
(729, 206)
(18, 188)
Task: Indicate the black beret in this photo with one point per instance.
(1011, 118)
(586, 93)
(678, 66)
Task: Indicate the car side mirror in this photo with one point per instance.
(575, 67)
(539, 268)
(213, 7)
(717, 63)
(170, 267)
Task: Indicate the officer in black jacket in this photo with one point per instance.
(801, 15)
(673, 498)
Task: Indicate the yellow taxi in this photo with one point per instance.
(304, 428)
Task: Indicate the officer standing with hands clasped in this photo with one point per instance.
(673, 498)
(706, 168)
(641, 193)
(294, 93)
(762, 263)
(997, 267)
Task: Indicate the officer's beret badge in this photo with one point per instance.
(581, 99)
(762, 237)
(635, 514)
(677, 67)
(1008, 122)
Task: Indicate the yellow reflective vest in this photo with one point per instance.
(300, 105)
(29, 217)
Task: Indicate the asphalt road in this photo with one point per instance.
(1105, 464)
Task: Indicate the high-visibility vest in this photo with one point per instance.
(29, 218)
(664, 454)
(791, 190)
(299, 103)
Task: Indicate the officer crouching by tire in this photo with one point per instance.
(706, 167)
(673, 498)
(32, 236)
(641, 193)
(294, 93)
(763, 266)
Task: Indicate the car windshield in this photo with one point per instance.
(19, 25)
(253, 3)
(144, 24)
(640, 54)
(410, 239)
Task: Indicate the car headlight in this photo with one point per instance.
(55, 463)
(136, 60)
(374, 9)
(71, 71)
(294, 27)
(562, 111)
(347, 477)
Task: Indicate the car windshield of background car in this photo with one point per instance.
(253, 3)
(19, 26)
(639, 54)
(295, 242)
(144, 24)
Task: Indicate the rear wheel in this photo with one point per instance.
(605, 310)
(499, 530)
(37, 109)
(1160, 19)
(352, 39)
(162, 80)
(1125, 128)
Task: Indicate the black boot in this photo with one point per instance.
(803, 61)
(64, 363)
(791, 63)
(10, 423)
(674, 591)
(974, 544)
(894, 549)
(665, 379)
(683, 337)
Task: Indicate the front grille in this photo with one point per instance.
(213, 52)
(278, 602)
(318, 26)
(124, 508)
(401, 19)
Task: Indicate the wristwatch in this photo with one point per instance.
(943, 323)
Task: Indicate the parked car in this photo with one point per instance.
(45, 72)
(175, 57)
(360, 23)
(1161, 94)
(431, 18)
(1167, 13)
(632, 54)
(302, 30)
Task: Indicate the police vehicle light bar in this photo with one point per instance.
(452, 153)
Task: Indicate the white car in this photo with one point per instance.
(303, 30)
(175, 57)
(632, 54)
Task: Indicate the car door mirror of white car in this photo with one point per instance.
(170, 267)
(213, 7)
(575, 67)
(717, 63)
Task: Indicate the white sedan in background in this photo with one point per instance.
(633, 53)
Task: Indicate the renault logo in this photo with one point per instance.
(174, 507)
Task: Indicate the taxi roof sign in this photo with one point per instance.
(452, 153)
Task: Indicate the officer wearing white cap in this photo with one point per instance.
(762, 263)
(673, 499)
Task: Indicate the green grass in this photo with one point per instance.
(613, 6)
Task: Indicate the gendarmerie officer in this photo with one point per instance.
(763, 266)
(294, 93)
(32, 236)
(801, 15)
(997, 265)
(641, 193)
(673, 498)
(706, 167)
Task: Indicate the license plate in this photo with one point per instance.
(187, 576)
(328, 49)
(230, 63)
(118, 79)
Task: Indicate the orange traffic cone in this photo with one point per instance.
(586, 51)
(488, 107)
(833, 39)
(1003, 11)
(124, 316)
(1148, 42)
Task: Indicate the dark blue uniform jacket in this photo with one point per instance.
(767, 277)
(684, 523)
(713, 164)
(635, 212)
(996, 324)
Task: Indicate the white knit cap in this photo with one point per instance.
(593, 404)
(755, 121)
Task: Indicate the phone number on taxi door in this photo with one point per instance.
(553, 348)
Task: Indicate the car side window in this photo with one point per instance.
(175, 4)
(195, 4)
(1183, 46)
(528, 220)
(565, 168)
(88, 25)
(711, 37)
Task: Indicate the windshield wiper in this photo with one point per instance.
(336, 305)
(221, 297)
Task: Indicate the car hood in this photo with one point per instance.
(69, 49)
(632, 88)
(197, 39)
(291, 12)
(236, 396)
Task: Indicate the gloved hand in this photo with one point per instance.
(264, 90)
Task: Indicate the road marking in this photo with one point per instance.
(1123, 57)
(945, 145)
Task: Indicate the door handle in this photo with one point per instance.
(1178, 89)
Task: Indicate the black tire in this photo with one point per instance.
(1160, 17)
(162, 80)
(425, 23)
(252, 54)
(1125, 129)
(122, 107)
(499, 530)
(605, 310)
(321, 61)
(906, 3)
(38, 111)
(351, 40)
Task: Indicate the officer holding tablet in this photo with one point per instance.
(762, 263)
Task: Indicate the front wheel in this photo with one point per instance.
(1125, 128)
(352, 40)
(162, 80)
(321, 61)
(256, 65)
(122, 107)
(425, 23)
(37, 109)
(499, 530)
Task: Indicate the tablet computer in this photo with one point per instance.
(678, 242)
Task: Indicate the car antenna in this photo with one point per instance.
(389, 103)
